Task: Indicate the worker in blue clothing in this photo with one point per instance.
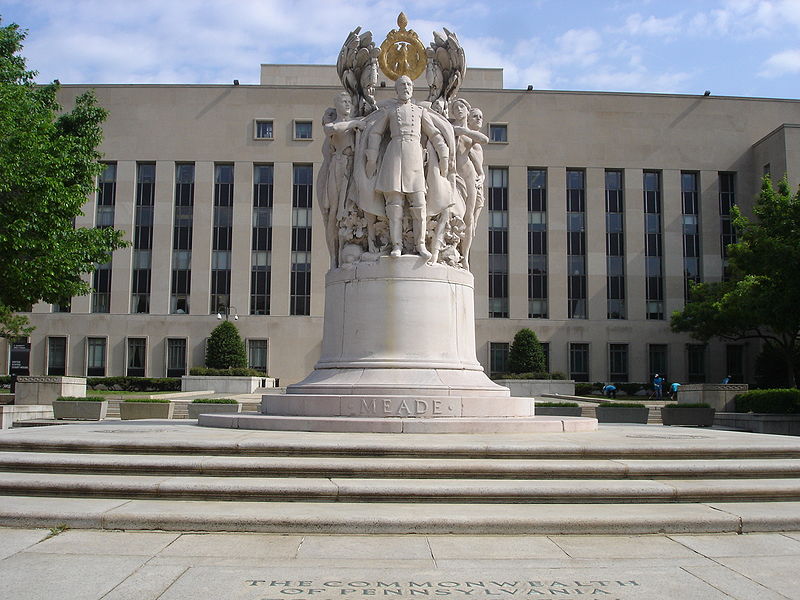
(658, 383)
(610, 390)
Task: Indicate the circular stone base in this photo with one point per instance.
(400, 425)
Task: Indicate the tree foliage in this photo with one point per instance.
(760, 300)
(526, 354)
(48, 165)
(225, 349)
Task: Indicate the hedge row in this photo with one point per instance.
(539, 375)
(135, 384)
(234, 372)
(780, 401)
(629, 389)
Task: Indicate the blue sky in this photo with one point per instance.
(731, 47)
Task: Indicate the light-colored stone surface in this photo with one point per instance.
(754, 544)
(530, 388)
(225, 385)
(718, 395)
(17, 540)
(44, 389)
(88, 566)
(11, 413)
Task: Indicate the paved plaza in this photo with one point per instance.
(150, 565)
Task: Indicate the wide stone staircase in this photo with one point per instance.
(634, 479)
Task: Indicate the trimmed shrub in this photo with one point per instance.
(771, 372)
(526, 354)
(557, 404)
(538, 375)
(225, 348)
(214, 401)
(621, 405)
(135, 384)
(150, 400)
(687, 405)
(630, 389)
(780, 401)
(584, 389)
(238, 372)
(80, 399)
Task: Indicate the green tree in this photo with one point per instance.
(760, 300)
(225, 349)
(526, 354)
(48, 165)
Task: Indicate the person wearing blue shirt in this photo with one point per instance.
(658, 382)
(610, 390)
(673, 390)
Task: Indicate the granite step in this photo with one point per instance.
(641, 443)
(371, 518)
(266, 489)
(396, 468)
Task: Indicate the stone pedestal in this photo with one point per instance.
(717, 395)
(224, 384)
(398, 355)
(41, 389)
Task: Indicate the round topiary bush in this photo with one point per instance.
(225, 349)
(526, 354)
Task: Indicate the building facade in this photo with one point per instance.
(600, 208)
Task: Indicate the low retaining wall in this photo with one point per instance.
(530, 388)
(9, 414)
(717, 395)
(759, 422)
(225, 385)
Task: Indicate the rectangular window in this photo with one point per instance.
(137, 356)
(690, 193)
(576, 244)
(182, 231)
(143, 237)
(176, 357)
(222, 239)
(302, 130)
(498, 357)
(95, 357)
(300, 283)
(696, 362)
(657, 359)
(56, 356)
(106, 201)
(537, 244)
(261, 258)
(498, 242)
(618, 362)
(734, 363)
(263, 129)
(654, 276)
(579, 362)
(498, 133)
(257, 355)
(615, 246)
(727, 200)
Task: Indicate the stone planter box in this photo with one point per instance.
(530, 388)
(717, 395)
(44, 389)
(80, 410)
(201, 408)
(759, 422)
(557, 411)
(679, 415)
(622, 414)
(129, 411)
(225, 385)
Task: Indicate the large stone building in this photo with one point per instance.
(600, 207)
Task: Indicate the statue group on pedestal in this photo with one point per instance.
(400, 176)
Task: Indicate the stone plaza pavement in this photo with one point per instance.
(167, 510)
(150, 565)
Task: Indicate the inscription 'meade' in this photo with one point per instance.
(593, 587)
(406, 407)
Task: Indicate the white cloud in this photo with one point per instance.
(782, 63)
(636, 24)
